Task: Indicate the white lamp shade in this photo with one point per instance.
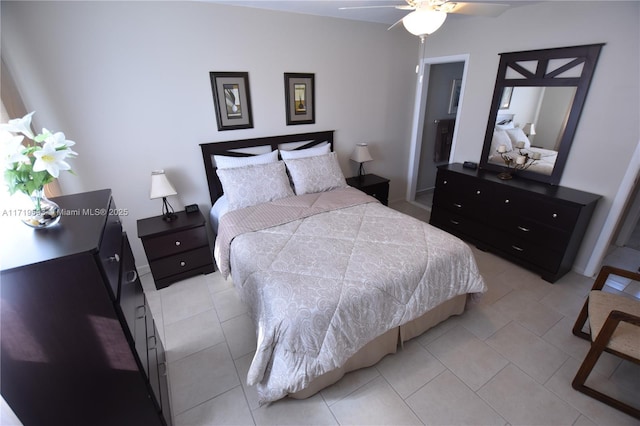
(361, 153)
(160, 185)
(529, 129)
(423, 22)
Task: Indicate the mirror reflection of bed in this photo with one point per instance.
(536, 117)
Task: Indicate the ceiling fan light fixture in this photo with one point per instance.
(423, 22)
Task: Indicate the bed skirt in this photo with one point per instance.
(385, 344)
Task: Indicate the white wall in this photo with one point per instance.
(129, 82)
(609, 128)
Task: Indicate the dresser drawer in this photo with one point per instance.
(110, 252)
(459, 225)
(132, 304)
(174, 243)
(536, 232)
(473, 198)
(182, 262)
(529, 252)
(554, 214)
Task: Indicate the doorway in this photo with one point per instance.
(439, 97)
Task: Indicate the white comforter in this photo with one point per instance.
(320, 287)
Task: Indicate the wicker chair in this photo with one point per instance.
(614, 323)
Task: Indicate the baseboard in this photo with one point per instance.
(144, 269)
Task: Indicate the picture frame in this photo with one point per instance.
(299, 92)
(454, 99)
(232, 100)
(505, 100)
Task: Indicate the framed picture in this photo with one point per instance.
(455, 95)
(299, 95)
(232, 100)
(505, 101)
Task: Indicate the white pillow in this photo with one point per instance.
(320, 149)
(504, 126)
(500, 137)
(250, 185)
(316, 174)
(517, 135)
(228, 162)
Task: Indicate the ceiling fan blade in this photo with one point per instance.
(478, 9)
(395, 23)
(397, 6)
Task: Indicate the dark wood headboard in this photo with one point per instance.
(230, 148)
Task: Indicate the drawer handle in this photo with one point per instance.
(455, 222)
(523, 229)
(183, 263)
(149, 345)
(444, 182)
(162, 367)
(516, 248)
(554, 215)
(114, 258)
(141, 311)
(178, 243)
(457, 205)
(478, 192)
(134, 276)
(506, 201)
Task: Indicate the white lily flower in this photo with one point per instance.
(51, 160)
(59, 141)
(20, 125)
(11, 149)
(58, 138)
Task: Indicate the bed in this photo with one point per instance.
(334, 280)
(506, 134)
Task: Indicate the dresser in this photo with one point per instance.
(535, 225)
(374, 185)
(79, 343)
(177, 249)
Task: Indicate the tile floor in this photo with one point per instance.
(506, 361)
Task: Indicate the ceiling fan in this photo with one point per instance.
(429, 15)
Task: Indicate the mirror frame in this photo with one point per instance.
(586, 56)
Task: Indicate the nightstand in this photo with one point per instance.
(178, 249)
(376, 186)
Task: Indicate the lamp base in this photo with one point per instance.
(169, 217)
(168, 214)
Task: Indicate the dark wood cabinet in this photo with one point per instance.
(178, 249)
(72, 315)
(536, 225)
(376, 186)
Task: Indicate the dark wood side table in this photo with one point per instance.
(376, 186)
(178, 249)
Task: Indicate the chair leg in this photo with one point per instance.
(589, 362)
(580, 322)
(598, 284)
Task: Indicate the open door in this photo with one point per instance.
(438, 100)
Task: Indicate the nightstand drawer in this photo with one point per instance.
(376, 186)
(181, 262)
(177, 242)
(379, 191)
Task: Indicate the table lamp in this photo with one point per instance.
(162, 188)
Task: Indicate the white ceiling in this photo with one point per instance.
(384, 15)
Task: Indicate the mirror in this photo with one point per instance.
(537, 101)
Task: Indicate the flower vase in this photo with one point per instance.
(44, 212)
